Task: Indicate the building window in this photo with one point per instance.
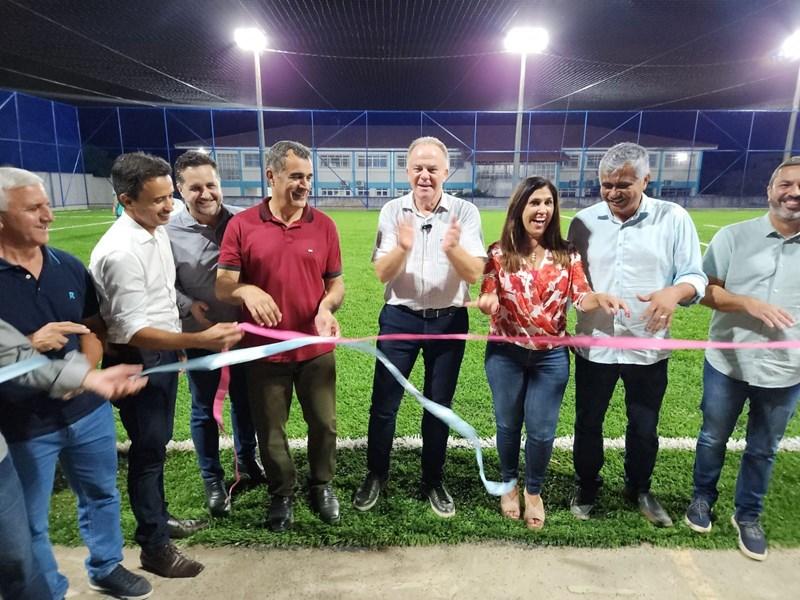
(251, 160)
(592, 161)
(373, 161)
(676, 160)
(382, 192)
(401, 161)
(335, 160)
(541, 169)
(573, 161)
(230, 167)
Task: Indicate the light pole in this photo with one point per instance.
(790, 50)
(524, 41)
(253, 39)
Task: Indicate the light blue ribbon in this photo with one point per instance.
(24, 366)
(212, 362)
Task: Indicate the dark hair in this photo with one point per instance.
(276, 157)
(514, 241)
(130, 172)
(192, 158)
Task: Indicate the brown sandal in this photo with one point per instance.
(534, 511)
(509, 504)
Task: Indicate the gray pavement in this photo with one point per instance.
(480, 571)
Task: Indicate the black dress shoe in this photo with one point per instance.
(217, 500)
(324, 502)
(649, 506)
(168, 561)
(281, 514)
(250, 471)
(367, 494)
(183, 528)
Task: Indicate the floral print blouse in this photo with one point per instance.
(534, 302)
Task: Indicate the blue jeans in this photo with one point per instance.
(88, 454)
(20, 576)
(442, 362)
(527, 387)
(770, 412)
(205, 432)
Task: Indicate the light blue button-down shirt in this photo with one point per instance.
(754, 260)
(656, 248)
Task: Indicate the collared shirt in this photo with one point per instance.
(534, 302)
(427, 279)
(135, 277)
(656, 248)
(755, 260)
(195, 248)
(290, 262)
(63, 291)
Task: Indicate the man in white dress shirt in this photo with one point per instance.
(134, 273)
(428, 250)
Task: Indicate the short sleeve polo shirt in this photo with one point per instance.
(754, 260)
(63, 292)
(289, 262)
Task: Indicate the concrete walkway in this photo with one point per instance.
(481, 572)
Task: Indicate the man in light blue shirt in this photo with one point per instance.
(754, 290)
(645, 251)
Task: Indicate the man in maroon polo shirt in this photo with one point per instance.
(280, 260)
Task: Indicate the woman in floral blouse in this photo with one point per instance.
(531, 276)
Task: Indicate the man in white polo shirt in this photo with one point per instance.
(134, 273)
(428, 250)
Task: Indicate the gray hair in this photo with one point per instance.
(10, 178)
(276, 156)
(794, 161)
(626, 153)
(434, 141)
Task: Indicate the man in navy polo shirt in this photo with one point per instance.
(280, 260)
(48, 295)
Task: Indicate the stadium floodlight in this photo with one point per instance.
(253, 40)
(523, 41)
(790, 50)
(527, 40)
(250, 38)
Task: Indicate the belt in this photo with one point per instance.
(429, 313)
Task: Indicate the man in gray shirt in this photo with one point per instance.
(195, 236)
(754, 290)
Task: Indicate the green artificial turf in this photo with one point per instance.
(404, 520)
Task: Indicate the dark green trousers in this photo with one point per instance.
(270, 388)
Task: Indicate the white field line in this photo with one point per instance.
(713, 226)
(415, 442)
(704, 244)
(79, 226)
